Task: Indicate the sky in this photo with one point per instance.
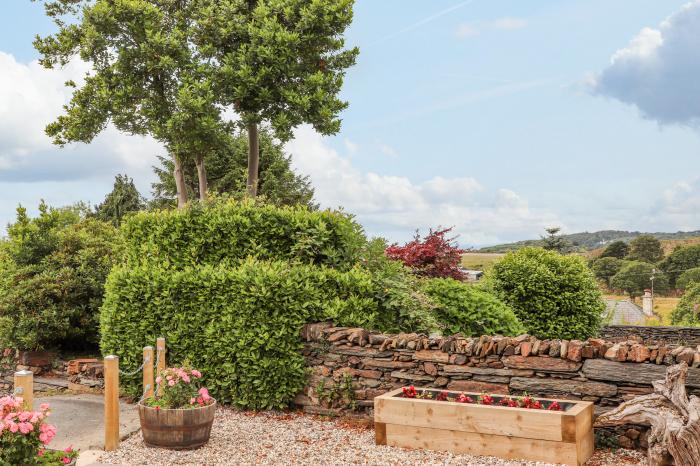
(496, 117)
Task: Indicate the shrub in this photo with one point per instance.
(465, 309)
(687, 278)
(23, 433)
(687, 312)
(554, 296)
(240, 326)
(635, 277)
(179, 388)
(230, 231)
(436, 255)
(52, 279)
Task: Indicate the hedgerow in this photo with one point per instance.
(239, 326)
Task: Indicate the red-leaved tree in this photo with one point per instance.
(436, 255)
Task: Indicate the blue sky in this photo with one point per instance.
(498, 117)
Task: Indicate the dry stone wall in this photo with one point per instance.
(667, 335)
(350, 366)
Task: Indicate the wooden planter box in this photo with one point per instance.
(512, 433)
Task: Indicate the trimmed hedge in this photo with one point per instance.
(239, 326)
(229, 231)
(553, 295)
(468, 310)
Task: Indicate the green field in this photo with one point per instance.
(480, 260)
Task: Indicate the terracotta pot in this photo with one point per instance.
(176, 429)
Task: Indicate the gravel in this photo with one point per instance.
(268, 438)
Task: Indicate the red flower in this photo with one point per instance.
(409, 392)
(462, 398)
(526, 401)
(486, 399)
(535, 405)
(554, 406)
(442, 396)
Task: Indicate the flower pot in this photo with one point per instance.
(176, 429)
(564, 436)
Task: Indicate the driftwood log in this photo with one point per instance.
(674, 437)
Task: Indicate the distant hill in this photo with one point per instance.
(590, 241)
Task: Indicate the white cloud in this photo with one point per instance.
(387, 150)
(677, 208)
(394, 206)
(465, 30)
(658, 71)
(509, 24)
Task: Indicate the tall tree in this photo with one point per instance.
(617, 249)
(146, 76)
(226, 172)
(554, 241)
(277, 61)
(646, 248)
(123, 198)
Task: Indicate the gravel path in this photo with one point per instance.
(243, 438)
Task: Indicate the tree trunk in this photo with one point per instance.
(674, 437)
(180, 183)
(202, 178)
(253, 159)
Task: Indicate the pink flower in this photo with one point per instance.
(44, 406)
(159, 379)
(66, 460)
(192, 401)
(196, 373)
(171, 383)
(68, 450)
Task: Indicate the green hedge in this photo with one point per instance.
(553, 295)
(687, 312)
(463, 308)
(230, 231)
(239, 326)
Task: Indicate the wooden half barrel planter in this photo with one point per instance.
(514, 433)
(176, 429)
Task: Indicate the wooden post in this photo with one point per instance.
(24, 387)
(148, 372)
(160, 348)
(111, 403)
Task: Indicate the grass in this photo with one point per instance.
(480, 260)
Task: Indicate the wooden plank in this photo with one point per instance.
(380, 433)
(111, 364)
(461, 442)
(495, 420)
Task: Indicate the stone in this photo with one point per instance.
(430, 368)
(339, 335)
(589, 352)
(639, 353)
(539, 363)
(457, 370)
(362, 352)
(368, 362)
(74, 365)
(616, 352)
(635, 373)
(525, 348)
(686, 356)
(432, 356)
(555, 349)
(377, 339)
(478, 387)
(458, 359)
(544, 348)
(624, 442)
(564, 349)
(409, 376)
(491, 378)
(371, 383)
(368, 374)
(575, 351)
(535, 348)
(562, 386)
(36, 358)
(509, 350)
(441, 381)
(661, 355)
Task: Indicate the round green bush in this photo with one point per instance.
(463, 308)
(687, 278)
(554, 296)
(688, 309)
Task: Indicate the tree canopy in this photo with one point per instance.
(605, 268)
(123, 198)
(646, 248)
(226, 173)
(635, 277)
(681, 259)
(618, 249)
